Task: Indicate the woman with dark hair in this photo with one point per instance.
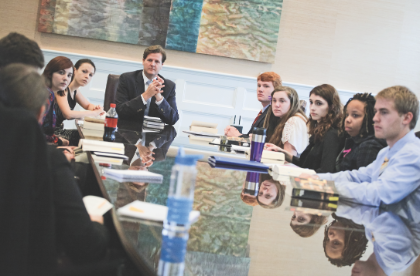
(361, 147)
(344, 241)
(325, 144)
(84, 70)
(285, 121)
(58, 74)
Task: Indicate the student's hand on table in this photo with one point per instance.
(271, 147)
(231, 131)
(307, 175)
(287, 155)
(65, 141)
(68, 152)
(99, 219)
(98, 112)
(97, 107)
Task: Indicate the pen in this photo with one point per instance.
(234, 119)
(239, 120)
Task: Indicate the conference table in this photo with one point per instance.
(234, 236)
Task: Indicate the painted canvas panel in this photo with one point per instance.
(245, 29)
(184, 25)
(240, 29)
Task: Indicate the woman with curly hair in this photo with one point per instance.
(286, 122)
(361, 147)
(344, 241)
(324, 144)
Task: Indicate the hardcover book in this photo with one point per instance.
(315, 189)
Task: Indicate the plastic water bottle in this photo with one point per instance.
(111, 121)
(177, 223)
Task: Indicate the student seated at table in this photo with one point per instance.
(50, 212)
(271, 192)
(285, 121)
(16, 48)
(361, 147)
(266, 82)
(325, 144)
(306, 225)
(345, 242)
(58, 74)
(396, 171)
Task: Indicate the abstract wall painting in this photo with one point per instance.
(243, 29)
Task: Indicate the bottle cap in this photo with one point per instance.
(258, 131)
(187, 160)
(112, 105)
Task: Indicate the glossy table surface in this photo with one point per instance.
(234, 238)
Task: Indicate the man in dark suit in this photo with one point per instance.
(266, 82)
(144, 92)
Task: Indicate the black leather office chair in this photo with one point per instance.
(111, 90)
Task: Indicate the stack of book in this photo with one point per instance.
(268, 157)
(94, 127)
(104, 152)
(203, 131)
(133, 176)
(284, 172)
(152, 124)
(314, 195)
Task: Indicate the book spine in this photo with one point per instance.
(313, 204)
(314, 195)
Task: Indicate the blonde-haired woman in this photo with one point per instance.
(286, 122)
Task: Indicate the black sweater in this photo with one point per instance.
(321, 156)
(359, 152)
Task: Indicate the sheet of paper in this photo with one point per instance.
(145, 210)
(96, 205)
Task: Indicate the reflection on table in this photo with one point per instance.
(248, 226)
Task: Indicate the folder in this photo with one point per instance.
(237, 164)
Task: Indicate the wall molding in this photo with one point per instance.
(196, 104)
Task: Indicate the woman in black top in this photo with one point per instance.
(324, 143)
(58, 74)
(361, 147)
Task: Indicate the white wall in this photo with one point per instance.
(201, 95)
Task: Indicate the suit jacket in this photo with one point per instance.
(258, 123)
(130, 105)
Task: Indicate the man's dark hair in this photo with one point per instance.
(154, 49)
(16, 48)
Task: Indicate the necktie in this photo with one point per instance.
(146, 111)
(256, 118)
(383, 166)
